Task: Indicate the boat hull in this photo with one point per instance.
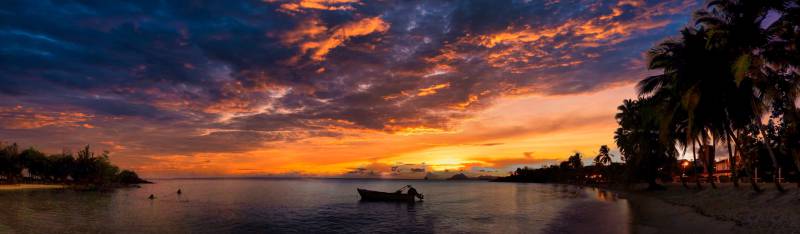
(369, 195)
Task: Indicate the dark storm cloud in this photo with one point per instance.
(194, 76)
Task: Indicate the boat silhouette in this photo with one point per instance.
(370, 195)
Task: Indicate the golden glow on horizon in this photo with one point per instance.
(527, 130)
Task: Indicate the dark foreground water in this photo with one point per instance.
(315, 206)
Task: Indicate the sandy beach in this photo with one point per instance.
(5, 187)
(652, 215)
(723, 210)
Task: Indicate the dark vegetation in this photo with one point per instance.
(85, 170)
(729, 81)
(572, 171)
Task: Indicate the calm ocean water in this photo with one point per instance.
(315, 206)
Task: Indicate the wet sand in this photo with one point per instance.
(30, 186)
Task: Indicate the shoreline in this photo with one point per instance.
(15, 187)
(79, 187)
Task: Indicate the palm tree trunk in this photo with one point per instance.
(694, 166)
(683, 172)
(748, 165)
(732, 163)
(710, 167)
(796, 156)
(772, 157)
(683, 182)
(752, 177)
(790, 119)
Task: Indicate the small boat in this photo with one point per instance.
(369, 195)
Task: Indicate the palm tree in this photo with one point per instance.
(748, 148)
(717, 81)
(10, 164)
(715, 75)
(644, 154)
(574, 161)
(781, 52)
(61, 166)
(628, 118)
(603, 156)
(603, 160)
(690, 95)
(737, 29)
(36, 163)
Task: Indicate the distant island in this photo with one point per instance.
(462, 176)
(85, 171)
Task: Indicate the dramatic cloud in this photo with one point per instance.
(25, 118)
(154, 81)
(319, 46)
(328, 5)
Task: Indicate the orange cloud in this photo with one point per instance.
(254, 94)
(310, 28)
(327, 5)
(432, 89)
(421, 130)
(524, 35)
(470, 100)
(317, 40)
(112, 145)
(525, 48)
(19, 117)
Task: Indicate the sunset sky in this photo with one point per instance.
(324, 87)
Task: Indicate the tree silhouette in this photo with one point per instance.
(10, 164)
(603, 156)
(737, 63)
(87, 169)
